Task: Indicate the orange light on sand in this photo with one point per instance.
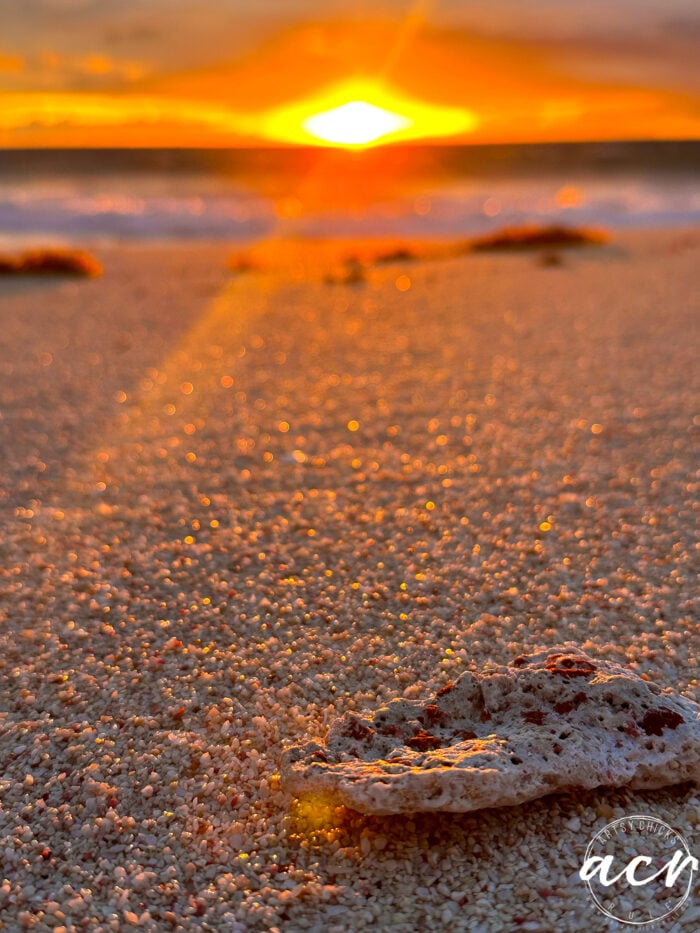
(357, 114)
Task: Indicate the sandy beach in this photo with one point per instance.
(236, 506)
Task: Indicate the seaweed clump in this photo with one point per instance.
(75, 262)
(537, 237)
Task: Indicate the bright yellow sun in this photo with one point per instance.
(361, 113)
(356, 123)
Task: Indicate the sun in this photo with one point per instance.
(356, 123)
(359, 113)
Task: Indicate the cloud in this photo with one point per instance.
(518, 88)
(64, 5)
(654, 40)
(102, 65)
(132, 33)
(10, 64)
(90, 110)
(51, 69)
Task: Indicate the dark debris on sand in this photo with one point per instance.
(400, 254)
(537, 237)
(51, 262)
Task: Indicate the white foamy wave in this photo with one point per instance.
(159, 205)
(73, 214)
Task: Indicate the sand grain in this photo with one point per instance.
(235, 509)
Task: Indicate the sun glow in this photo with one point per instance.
(358, 114)
(354, 124)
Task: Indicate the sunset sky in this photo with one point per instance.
(236, 72)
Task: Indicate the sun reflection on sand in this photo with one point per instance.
(315, 813)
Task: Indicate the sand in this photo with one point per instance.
(237, 506)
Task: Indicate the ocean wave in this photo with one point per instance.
(160, 206)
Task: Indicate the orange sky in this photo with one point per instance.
(75, 80)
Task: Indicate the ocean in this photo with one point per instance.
(79, 196)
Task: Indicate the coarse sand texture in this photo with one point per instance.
(239, 506)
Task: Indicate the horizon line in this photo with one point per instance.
(292, 147)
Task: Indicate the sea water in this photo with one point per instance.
(71, 196)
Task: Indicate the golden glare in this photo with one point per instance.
(357, 114)
(354, 124)
(315, 812)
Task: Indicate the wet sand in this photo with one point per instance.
(235, 506)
